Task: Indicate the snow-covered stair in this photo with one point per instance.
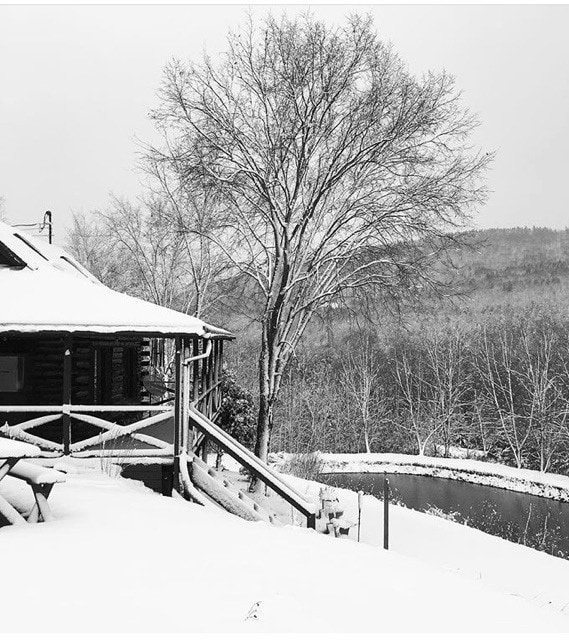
(224, 493)
(256, 467)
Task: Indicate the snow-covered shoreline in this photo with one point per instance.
(546, 485)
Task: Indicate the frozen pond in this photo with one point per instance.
(540, 523)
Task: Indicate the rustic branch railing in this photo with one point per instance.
(209, 402)
(111, 431)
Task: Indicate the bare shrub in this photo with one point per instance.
(304, 465)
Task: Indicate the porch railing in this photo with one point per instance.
(92, 446)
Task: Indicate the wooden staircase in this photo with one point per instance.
(199, 478)
(223, 493)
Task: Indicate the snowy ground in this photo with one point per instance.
(119, 558)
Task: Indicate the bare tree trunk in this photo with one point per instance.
(366, 439)
(264, 426)
(265, 415)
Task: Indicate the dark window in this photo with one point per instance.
(103, 375)
(130, 373)
(11, 373)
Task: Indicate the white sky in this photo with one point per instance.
(77, 82)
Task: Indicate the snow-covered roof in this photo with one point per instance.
(43, 288)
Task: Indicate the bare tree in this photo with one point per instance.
(418, 413)
(142, 249)
(482, 424)
(499, 371)
(546, 409)
(449, 383)
(337, 169)
(360, 379)
(191, 213)
(90, 242)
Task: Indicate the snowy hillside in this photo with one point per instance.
(120, 558)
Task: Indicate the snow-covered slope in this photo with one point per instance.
(120, 558)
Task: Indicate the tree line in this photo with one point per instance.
(498, 390)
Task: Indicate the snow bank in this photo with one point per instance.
(546, 485)
(119, 558)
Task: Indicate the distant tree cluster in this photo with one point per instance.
(499, 390)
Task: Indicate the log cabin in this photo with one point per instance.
(75, 360)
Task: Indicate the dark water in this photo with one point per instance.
(540, 523)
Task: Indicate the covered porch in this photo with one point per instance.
(90, 396)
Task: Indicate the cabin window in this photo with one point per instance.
(130, 373)
(103, 375)
(11, 373)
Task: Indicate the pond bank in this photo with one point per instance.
(545, 485)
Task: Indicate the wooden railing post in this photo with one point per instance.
(67, 372)
(178, 414)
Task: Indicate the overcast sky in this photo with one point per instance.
(77, 83)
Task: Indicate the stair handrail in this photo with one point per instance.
(255, 465)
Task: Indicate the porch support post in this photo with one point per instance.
(178, 408)
(67, 355)
(210, 378)
(187, 438)
(219, 397)
(196, 372)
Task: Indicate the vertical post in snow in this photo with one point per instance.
(177, 415)
(385, 511)
(47, 218)
(67, 350)
(360, 496)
